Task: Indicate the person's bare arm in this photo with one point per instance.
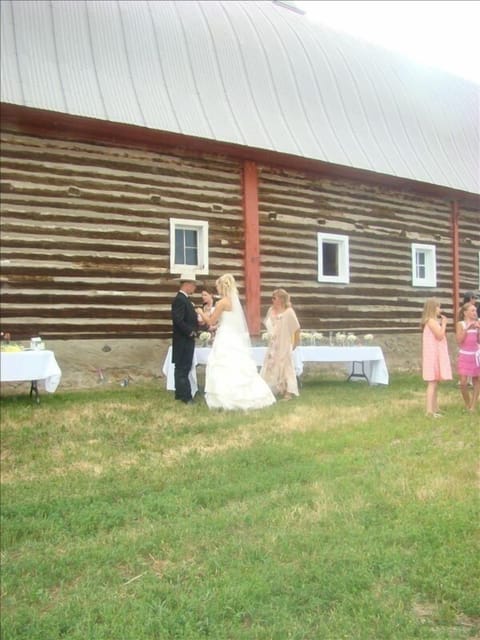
(439, 330)
(222, 305)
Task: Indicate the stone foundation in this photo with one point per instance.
(91, 363)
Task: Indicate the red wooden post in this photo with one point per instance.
(252, 246)
(455, 260)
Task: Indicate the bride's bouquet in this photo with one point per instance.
(205, 338)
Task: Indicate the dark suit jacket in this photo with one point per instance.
(184, 318)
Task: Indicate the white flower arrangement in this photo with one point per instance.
(306, 337)
(265, 336)
(340, 338)
(205, 337)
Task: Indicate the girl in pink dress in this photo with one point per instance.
(435, 359)
(468, 362)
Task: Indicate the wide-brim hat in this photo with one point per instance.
(188, 277)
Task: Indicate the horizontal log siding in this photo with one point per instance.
(469, 239)
(381, 225)
(85, 240)
(85, 234)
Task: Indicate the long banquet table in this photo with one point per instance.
(366, 363)
(31, 366)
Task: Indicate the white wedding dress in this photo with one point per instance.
(231, 379)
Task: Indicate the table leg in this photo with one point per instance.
(355, 374)
(34, 390)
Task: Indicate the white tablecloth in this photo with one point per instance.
(371, 360)
(33, 366)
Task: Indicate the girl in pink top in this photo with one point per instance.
(435, 359)
(468, 363)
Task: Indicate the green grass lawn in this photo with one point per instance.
(345, 514)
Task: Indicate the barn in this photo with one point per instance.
(139, 139)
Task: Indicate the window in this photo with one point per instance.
(333, 258)
(188, 246)
(424, 266)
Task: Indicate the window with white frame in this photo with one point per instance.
(333, 258)
(424, 265)
(188, 246)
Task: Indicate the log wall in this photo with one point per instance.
(85, 234)
(85, 240)
(381, 224)
(469, 250)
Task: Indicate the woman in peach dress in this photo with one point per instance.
(435, 359)
(283, 330)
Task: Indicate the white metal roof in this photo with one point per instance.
(250, 73)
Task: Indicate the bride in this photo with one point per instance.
(231, 379)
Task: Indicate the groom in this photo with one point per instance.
(185, 326)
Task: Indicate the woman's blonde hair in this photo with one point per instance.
(227, 285)
(429, 310)
(463, 310)
(284, 297)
